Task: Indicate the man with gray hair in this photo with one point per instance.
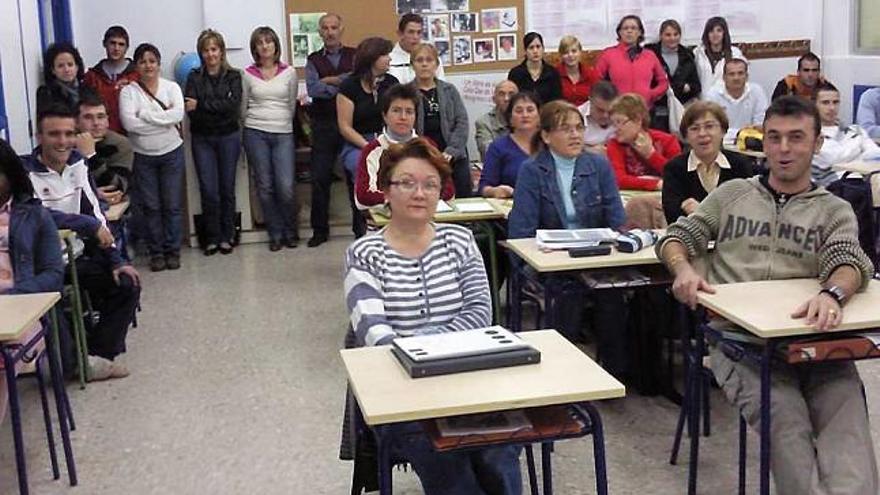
(493, 124)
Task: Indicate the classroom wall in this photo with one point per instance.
(20, 80)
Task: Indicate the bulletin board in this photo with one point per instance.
(361, 21)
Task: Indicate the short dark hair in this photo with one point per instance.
(54, 109)
(399, 92)
(700, 108)
(604, 90)
(826, 86)
(368, 51)
(725, 40)
(520, 96)
(56, 49)
(631, 17)
(12, 167)
(809, 57)
(414, 148)
(115, 32)
(408, 18)
(145, 48)
(88, 97)
(794, 106)
(265, 31)
(730, 61)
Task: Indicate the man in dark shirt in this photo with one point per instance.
(324, 72)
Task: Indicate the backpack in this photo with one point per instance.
(857, 192)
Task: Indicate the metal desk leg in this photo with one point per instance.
(515, 300)
(549, 307)
(766, 358)
(598, 449)
(47, 417)
(15, 413)
(53, 346)
(383, 448)
(695, 403)
(79, 331)
(547, 467)
(61, 402)
(530, 465)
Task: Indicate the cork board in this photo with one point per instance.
(363, 19)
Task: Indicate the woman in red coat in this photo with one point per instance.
(577, 78)
(638, 154)
(630, 67)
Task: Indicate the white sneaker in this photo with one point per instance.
(104, 369)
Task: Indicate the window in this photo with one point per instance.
(866, 36)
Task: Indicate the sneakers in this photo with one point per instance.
(103, 369)
(172, 261)
(157, 263)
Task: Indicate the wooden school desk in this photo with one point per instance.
(386, 394)
(771, 323)
(18, 314)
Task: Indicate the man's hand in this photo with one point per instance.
(190, 104)
(821, 311)
(105, 238)
(687, 284)
(689, 205)
(331, 80)
(128, 270)
(85, 144)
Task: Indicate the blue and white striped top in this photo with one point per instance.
(390, 295)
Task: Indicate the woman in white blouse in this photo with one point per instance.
(715, 50)
(151, 110)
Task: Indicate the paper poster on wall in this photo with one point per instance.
(304, 37)
(443, 52)
(477, 90)
(484, 50)
(438, 27)
(461, 50)
(555, 19)
(494, 20)
(507, 46)
(466, 22)
(742, 17)
(450, 5)
(408, 6)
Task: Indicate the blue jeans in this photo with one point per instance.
(159, 187)
(350, 156)
(270, 157)
(488, 471)
(215, 159)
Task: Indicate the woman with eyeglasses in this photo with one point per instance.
(638, 153)
(416, 277)
(399, 106)
(690, 177)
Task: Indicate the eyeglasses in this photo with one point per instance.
(571, 129)
(409, 186)
(409, 112)
(708, 127)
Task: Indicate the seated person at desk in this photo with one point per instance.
(108, 154)
(868, 113)
(689, 177)
(805, 83)
(30, 252)
(507, 153)
(820, 438)
(637, 153)
(399, 105)
(564, 187)
(493, 124)
(60, 178)
(385, 304)
(597, 112)
(744, 102)
(840, 144)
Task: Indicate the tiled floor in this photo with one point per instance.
(237, 388)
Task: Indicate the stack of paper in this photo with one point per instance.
(567, 239)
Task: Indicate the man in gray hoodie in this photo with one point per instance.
(783, 226)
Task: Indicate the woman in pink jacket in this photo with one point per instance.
(631, 68)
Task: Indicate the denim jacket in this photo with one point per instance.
(537, 201)
(34, 248)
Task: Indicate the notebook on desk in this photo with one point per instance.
(469, 350)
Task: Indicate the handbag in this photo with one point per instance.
(149, 93)
(676, 111)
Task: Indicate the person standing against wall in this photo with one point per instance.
(325, 69)
(111, 74)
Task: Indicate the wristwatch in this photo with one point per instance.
(835, 292)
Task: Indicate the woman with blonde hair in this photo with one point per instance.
(577, 77)
(441, 115)
(213, 103)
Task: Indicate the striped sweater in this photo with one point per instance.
(390, 295)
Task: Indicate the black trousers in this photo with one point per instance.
(116, 305)
(326, 145)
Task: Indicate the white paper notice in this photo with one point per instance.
(556, 18)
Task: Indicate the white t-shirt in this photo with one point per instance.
(747, 110)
